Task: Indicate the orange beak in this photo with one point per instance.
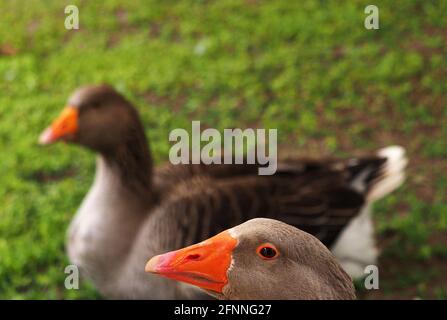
(204, 264)
(63, 128)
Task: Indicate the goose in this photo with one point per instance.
(134, 209)
(261, 259)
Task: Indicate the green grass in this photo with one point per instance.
(308, 68)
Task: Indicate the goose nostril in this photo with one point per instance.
(193, 257)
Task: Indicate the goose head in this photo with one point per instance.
(259, 259)
(95, 116)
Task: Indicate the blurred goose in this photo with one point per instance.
(259, 259)
(134, 211)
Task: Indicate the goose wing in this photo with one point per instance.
(317, 196)
(319, 201)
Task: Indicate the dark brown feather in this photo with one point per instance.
(313, 195)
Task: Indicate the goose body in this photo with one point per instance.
(134, 211)
(259, 259)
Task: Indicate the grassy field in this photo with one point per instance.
(308, 68)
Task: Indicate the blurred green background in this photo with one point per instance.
(308, 68)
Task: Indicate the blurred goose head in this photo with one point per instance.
(97, 117)
(259, 259)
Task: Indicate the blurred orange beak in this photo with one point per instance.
(204, 264)
(63, 128)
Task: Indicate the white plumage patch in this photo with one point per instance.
(355, 248)
(232, 233)
(392, 175)
(359, 183)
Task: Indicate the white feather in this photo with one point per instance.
(393, 174)
(355, 248)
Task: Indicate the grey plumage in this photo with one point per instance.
(304, 269)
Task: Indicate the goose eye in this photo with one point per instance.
(267, 251)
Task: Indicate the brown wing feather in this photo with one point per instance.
(315, 196)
